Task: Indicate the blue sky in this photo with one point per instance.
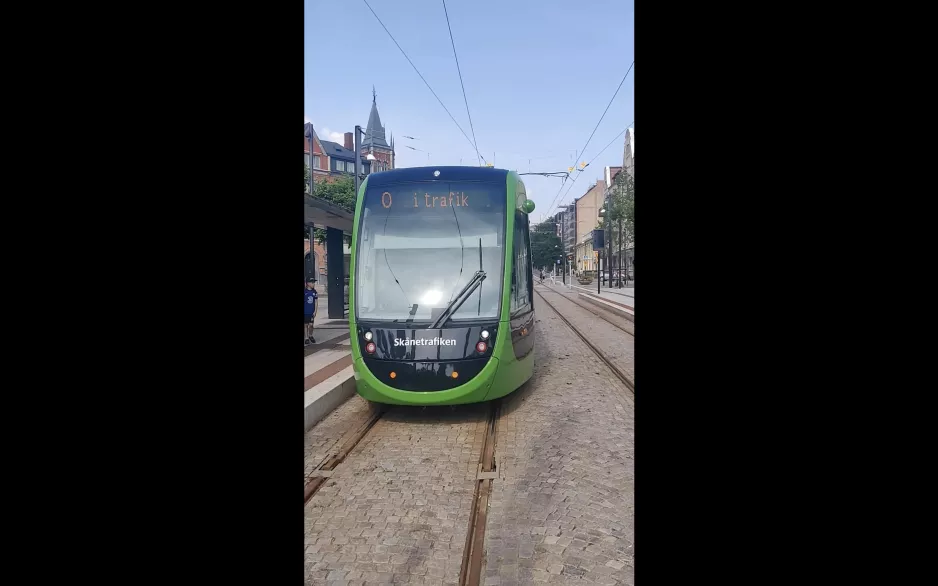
(538, 75)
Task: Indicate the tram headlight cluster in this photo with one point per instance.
(370, 346)
(482, 346)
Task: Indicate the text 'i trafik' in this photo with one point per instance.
(432, 201)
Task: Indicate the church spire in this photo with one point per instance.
(374, 134)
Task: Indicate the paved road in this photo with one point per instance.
(626, 324)
(617, 345)
(562, 508)
(561, 511)
(398, 508)
(323, 438)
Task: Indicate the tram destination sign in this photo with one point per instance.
(423, 200)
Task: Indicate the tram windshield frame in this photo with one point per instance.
(419, 244)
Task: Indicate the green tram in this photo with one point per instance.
(441, 296)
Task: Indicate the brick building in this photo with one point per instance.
(320, 162)
(342, 157)
(331, 160)
(316, 262)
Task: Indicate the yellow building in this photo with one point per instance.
(585, 257)
(587, 218)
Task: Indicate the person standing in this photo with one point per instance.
(311, 299)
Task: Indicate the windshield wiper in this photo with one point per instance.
(455, 304)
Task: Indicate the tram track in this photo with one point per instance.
(472, 564)
(473, 553)
(324, 470)
(470, 573)
(602, 356)
(593, 311)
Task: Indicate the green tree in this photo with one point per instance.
(619, 219)
(545, 244)
(305, 178)
(340, 192)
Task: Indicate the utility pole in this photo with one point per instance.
(599, 270)
(358, 158)
(563, 251)
(312, 184)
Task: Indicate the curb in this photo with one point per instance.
(323, 398)
(607, 290)
(616, 308)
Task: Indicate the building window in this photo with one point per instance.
(316, 162)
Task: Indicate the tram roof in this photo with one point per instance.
(447, 174)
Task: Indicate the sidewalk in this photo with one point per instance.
(327, 369)
(328, 330)
(614, 299)
(624, 295)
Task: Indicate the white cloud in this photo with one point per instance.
(307, 119)
(326, 134)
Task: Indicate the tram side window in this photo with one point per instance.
(521, 273)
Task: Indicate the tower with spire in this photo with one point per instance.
(376, 141)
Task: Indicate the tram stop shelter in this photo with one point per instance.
(321, 213)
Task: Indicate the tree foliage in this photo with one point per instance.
(546, 247)
(619, 218)
(620, 206)
(340, 192)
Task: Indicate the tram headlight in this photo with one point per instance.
(368, 336)
(485, 334)
(481, 347)
(370, 347)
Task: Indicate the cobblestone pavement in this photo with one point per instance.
(618, 346)
(325, 435)
(397, 509)
(617, 319)
(562, 506)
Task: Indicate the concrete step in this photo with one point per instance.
(617, 308)
(323, 398)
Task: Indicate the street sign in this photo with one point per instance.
(599, 239)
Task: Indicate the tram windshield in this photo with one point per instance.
(419, 244)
